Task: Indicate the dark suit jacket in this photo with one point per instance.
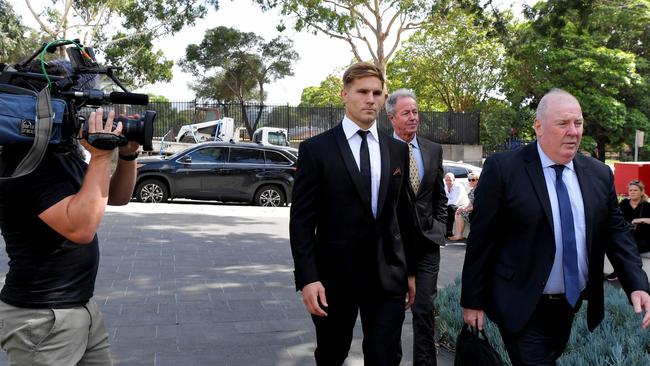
(511, 247)
(334, 237)
(429, 203)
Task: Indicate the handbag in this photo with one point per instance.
(474, 349)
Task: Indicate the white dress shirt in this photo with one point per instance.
(417, 153)
(457, 196)
(555, 283)
(354, 140)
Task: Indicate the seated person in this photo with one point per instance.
(636, 210)
(463, 213)
(456, 197)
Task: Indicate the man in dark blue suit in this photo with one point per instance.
(348, 227)
(544, 218)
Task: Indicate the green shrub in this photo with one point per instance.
(618, 341)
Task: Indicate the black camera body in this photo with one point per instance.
(72, 83)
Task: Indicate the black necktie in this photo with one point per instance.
(364, 160)
(569, 250)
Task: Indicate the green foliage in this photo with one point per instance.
(585, 48)
(123, 31)
(500, 122)
(230, 65)
(362, 24)
(16, 40)
(327, 93)
(451, 62)
(619, 340)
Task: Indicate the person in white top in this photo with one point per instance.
(456, 197)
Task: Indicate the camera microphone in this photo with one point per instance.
(129, 98)
(98, 97)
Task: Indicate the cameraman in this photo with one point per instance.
(49, 221)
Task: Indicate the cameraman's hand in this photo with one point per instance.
(96, 125)
(131, 147)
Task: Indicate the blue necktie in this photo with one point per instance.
(569, 251)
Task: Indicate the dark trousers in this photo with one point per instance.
(544, 338)
(381, 320)
(451, 216)
(426, 289)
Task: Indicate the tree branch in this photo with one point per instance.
(43, 26)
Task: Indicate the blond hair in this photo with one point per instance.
(638, 183)
(362, 70)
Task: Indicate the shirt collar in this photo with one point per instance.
(413, 142)
(547, 162)
(350, 128)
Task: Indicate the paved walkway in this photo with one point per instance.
(208, 284)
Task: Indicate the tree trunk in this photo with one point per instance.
(600, 148)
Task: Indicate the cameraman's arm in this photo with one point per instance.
(78, 216)
(123, 179)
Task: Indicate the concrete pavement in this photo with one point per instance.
(210, 284)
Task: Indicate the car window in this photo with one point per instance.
(278, 138)
(246, 156)
(276, 158)
(457, 171)
(209, 155)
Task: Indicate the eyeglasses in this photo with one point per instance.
(472, 180)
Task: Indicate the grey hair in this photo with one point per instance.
(543, 103)
(451, 175)
(395, 96)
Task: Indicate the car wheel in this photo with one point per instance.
(269, 196)
(152, 191)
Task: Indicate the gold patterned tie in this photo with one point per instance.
(414, 174)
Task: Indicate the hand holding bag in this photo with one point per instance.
(474, 349)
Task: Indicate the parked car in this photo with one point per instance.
(460, 171)
(222, 171)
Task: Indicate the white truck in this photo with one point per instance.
(218, 130)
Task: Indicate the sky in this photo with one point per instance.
(319, 54)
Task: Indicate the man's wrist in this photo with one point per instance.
(130, 157)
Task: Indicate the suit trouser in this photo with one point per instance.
(426, 282)
(381, 320)
(75, 336)
(545, 337)
(451, 217)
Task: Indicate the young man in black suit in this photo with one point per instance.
(429, 213)
(348, 249)
(544, 218)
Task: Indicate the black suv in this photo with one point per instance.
(221, 171)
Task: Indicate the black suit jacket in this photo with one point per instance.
(429, 203)
(511, 247)
(334, 237)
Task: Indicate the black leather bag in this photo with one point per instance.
(474, 349)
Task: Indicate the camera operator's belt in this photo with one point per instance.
(42, 131)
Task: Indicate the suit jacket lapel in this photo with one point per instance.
(385, 173)
(351, 164)
(585, 179)
(533, 166)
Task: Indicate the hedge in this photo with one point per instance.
(618, 341)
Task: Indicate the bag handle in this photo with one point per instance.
(43, 130)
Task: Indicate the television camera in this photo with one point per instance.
(31, 88)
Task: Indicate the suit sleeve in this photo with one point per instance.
(302, 222)
(439, 199)
(479, 255)
(623, 252)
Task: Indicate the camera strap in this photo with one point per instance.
(42, 132)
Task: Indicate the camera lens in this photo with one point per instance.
(140, 130)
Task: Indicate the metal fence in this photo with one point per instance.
(304, 122)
